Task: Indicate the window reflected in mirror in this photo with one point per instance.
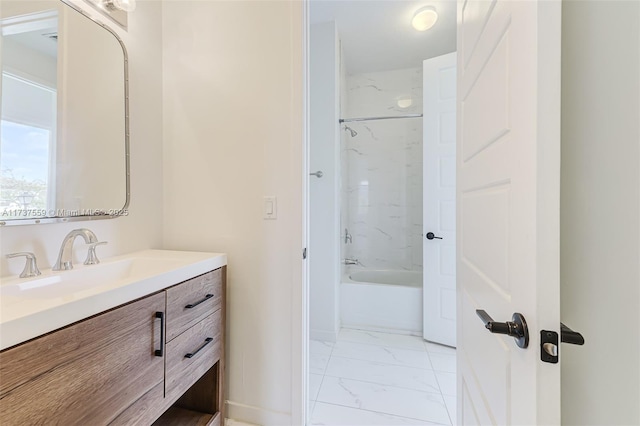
(27, 162)
(29, 105)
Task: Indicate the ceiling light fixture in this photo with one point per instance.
(405, 102)
(124, 5)
(424, 18)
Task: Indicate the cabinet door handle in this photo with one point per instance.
(193, 305)
(206, 342)
(160, 352)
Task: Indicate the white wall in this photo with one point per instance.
(142, 228)
(324, 212)
(20, 57)
(600, 211)
(27, 103)
(232, 135)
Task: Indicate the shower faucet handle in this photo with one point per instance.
(317, 174)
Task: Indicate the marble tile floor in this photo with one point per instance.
(369, 378)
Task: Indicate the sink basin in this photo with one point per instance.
(64, 283)
(33, 306)
(86, 278)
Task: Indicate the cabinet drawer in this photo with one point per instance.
(183, 370)
(193, 300)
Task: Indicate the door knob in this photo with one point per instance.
(516, 328)
(431, 236)
(317, 174)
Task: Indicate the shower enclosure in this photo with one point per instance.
(381, 141)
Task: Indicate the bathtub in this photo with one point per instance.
(382, 300)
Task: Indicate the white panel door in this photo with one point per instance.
(439, 199)
(508, 200)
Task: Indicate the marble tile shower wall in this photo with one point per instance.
(384, 170)
(344, 166)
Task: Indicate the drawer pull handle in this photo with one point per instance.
(206, 342)
(160, 352)
(193, 305)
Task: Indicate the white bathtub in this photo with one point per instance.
(382, 300)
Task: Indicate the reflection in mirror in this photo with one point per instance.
(64, 141)
(28, 126)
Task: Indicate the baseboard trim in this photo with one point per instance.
(383, 330)
(256, 415)
(231, 422)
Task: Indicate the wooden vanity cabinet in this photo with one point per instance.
(87, 373)
(107, 369)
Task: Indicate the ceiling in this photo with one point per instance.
(41, 40)
(377, 35)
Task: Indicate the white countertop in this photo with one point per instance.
(31, 307)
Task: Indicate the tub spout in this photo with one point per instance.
(351, 261)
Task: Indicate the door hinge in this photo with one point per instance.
(304, 253)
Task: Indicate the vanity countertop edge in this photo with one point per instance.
(26, 319)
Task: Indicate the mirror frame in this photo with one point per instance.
(112, 214)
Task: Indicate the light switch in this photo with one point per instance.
(270, 207)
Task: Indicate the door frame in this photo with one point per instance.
(300, 413)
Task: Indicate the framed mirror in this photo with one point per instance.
(64, 146)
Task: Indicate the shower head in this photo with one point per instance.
(353, 132)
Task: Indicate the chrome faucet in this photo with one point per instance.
(351, 261)
(30, 267)
(92, 258)
(65, 256)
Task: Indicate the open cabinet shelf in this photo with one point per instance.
(177, 416)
